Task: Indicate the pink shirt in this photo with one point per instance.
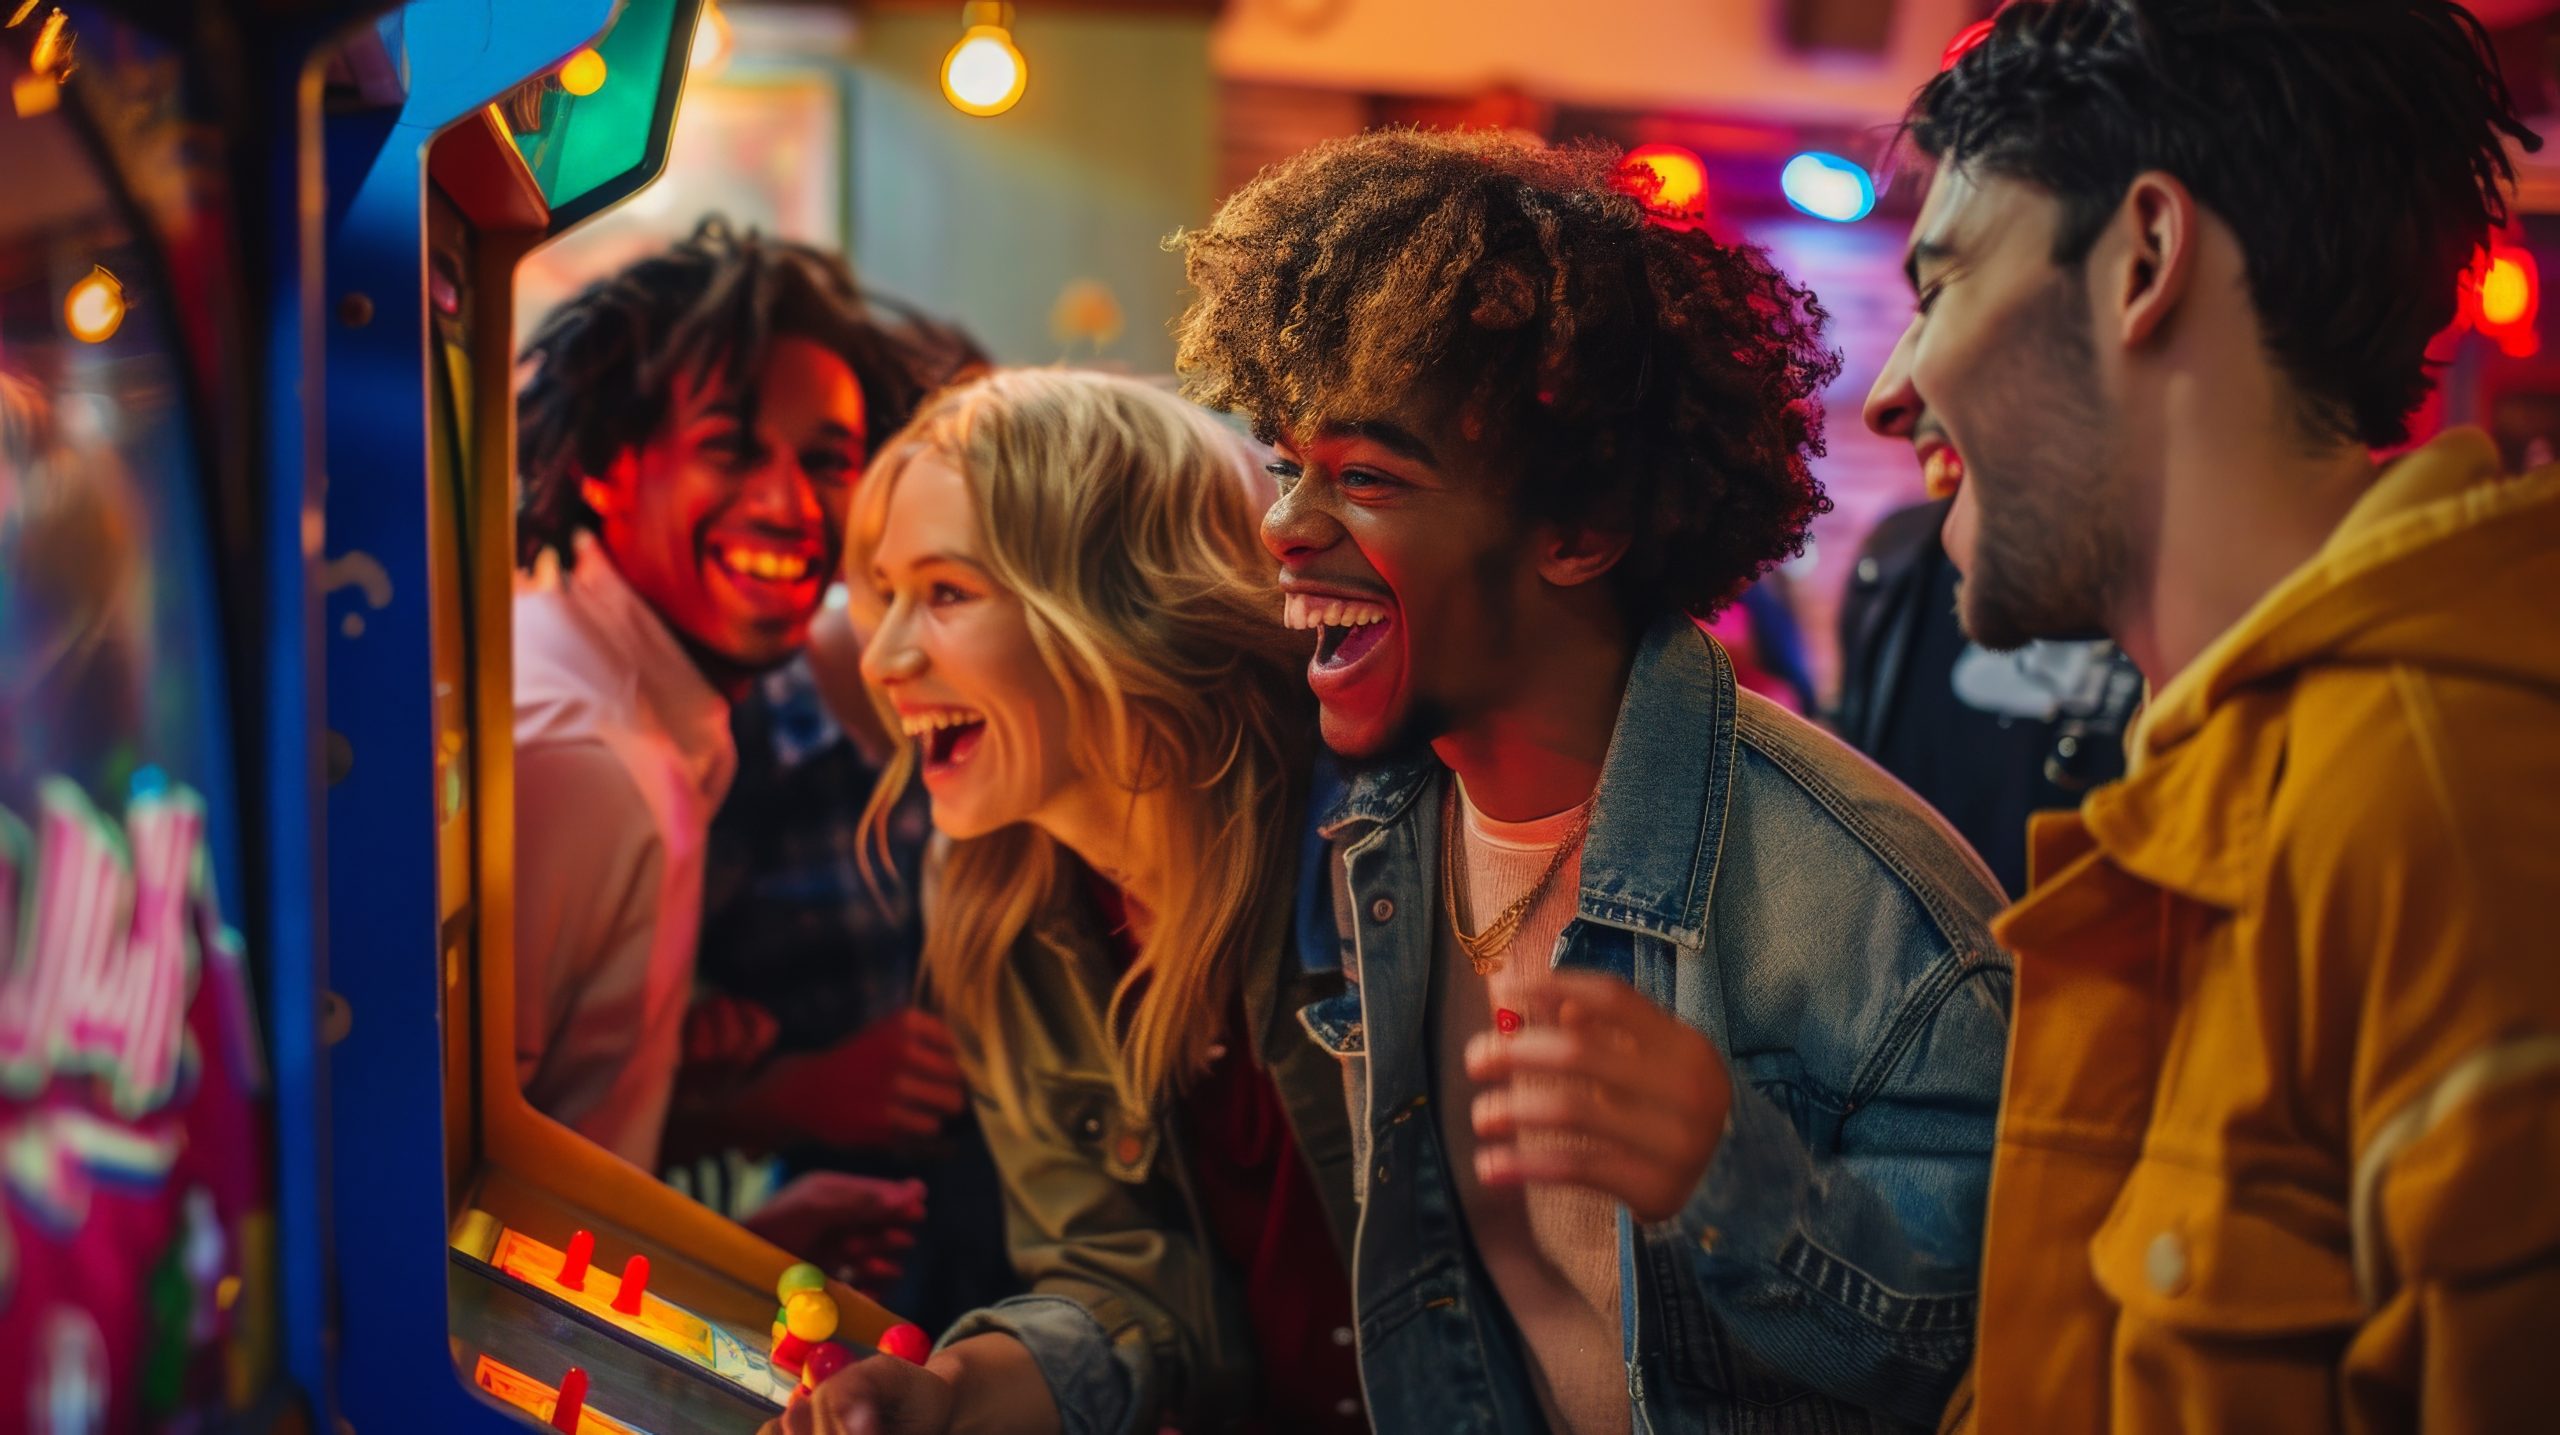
(622, 756)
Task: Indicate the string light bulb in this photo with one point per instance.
(94, 309)
(713, 42)
(984, 74)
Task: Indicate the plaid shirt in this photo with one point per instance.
(788, 920)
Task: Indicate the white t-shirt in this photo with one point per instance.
(622, 756)
(1551, 1251)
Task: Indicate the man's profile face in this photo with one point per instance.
(730, 524)
(1995, 383)
(1397, 542)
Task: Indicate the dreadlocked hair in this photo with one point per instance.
(604, 364)
(1636, 377)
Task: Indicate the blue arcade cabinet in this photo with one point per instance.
(481, 1252)
(262, 1160)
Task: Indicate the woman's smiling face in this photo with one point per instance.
(951, 648)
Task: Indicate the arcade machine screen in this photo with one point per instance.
(133, 1245)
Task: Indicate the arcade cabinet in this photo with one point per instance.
(470, 1232)
(153, 793)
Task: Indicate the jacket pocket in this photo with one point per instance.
(2235, 1302)
(1334, 1022)
(2198, 1254)
(1084, 1110)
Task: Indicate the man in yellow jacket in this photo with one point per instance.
(2280, 1143)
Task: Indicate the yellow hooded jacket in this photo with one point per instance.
(2280, 1146)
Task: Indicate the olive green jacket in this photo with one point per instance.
(1132, 1315)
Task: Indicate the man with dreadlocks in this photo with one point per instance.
(1675, 1033)
(687, 443)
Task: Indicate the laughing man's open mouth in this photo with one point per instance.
(1348, 629)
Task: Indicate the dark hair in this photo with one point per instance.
(605, 362)
(939, 352)
(2355, 147)
(1639, 377)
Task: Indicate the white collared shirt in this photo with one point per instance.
(623, 754)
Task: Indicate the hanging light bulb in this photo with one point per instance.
(984, 74)
(94, 308)
(712, 42)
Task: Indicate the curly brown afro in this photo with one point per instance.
(1639, 378)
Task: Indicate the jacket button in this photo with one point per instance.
(1867, 570)
(1091, 1126)
(1382, 1173)
(1346, 1407)
(1382, 910)
(1342, 1335)
(2164, 1264)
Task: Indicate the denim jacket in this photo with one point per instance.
(1828, 931)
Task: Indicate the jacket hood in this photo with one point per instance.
(2441, 566)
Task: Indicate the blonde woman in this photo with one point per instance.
(1076, 626)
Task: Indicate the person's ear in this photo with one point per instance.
(608, 494)
(1571, 557)
(2153, 265)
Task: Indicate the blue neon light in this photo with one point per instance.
(1828, 187)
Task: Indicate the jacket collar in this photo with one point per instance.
(1649, 862)
(2191, 814)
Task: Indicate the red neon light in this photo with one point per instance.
(1965, 41)
(1670, 182)
(2502, 298)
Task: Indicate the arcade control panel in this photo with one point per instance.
(592, 1351)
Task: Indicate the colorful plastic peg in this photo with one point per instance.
(572, 1402)
(824, 1360)
(635, 1284)
(907, 1342)
(807, 1317)
(573, 1266)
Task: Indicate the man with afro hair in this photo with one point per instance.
(1674, 1036)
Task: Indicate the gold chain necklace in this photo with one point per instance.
(1488, 948)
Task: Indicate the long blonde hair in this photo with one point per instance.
(1123, 519)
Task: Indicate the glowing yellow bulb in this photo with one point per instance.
(712, 41)
(52, 46)
(582, 73)
(2505, 292)
(95, 307)
(984, 74)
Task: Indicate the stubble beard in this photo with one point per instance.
(2051, 527)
